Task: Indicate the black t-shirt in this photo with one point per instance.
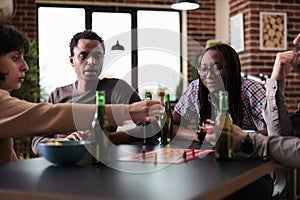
(117, 91)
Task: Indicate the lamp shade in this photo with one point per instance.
(117, 46)
(185, 4)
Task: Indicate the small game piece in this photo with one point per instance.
(193, 152)
(144, 154)
(167, 155)
(155, 158)
(184, 155)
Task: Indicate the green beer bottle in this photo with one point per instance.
(148, 96)
(100, 129)
(224, 129)
(167, 131)
(151, 131)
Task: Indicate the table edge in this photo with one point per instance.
(238, 182)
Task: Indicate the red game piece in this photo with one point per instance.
(167, 155)
(193, 152)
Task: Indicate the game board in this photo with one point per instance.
(167, 155)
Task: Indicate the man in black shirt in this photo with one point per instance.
(86, 56)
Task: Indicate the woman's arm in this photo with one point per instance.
(20, 118)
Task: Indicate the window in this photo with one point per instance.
(55, 33)
(151, 38)
(117, 64)
(158, 52)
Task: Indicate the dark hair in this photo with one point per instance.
(232, 83)
(11, 40)
(87, 34)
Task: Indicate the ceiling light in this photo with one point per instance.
(117, 46)
(185, 4)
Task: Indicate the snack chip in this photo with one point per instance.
(55, 143)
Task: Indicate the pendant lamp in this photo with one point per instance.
(185, 4)
(117, 47)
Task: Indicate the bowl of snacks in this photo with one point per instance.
(64, 152)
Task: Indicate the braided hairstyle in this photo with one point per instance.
(231, 75)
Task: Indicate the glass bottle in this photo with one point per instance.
(148, 96)
(100, 129)
(167, 131)
(152, 130)
(224, 129)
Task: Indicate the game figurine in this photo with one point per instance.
(155, 158)
(193, 152)
(184, 155)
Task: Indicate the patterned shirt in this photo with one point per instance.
(253, 97)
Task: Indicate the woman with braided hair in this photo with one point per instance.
(219, 69)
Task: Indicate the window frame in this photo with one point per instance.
(89, 9)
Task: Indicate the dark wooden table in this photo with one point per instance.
(201, 178)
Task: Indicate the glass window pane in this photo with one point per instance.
(55, 34)
(113, 27)
(158, 52)
(158, 47)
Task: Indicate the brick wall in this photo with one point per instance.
(201, 27)
(25, 17)
(255, 61)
